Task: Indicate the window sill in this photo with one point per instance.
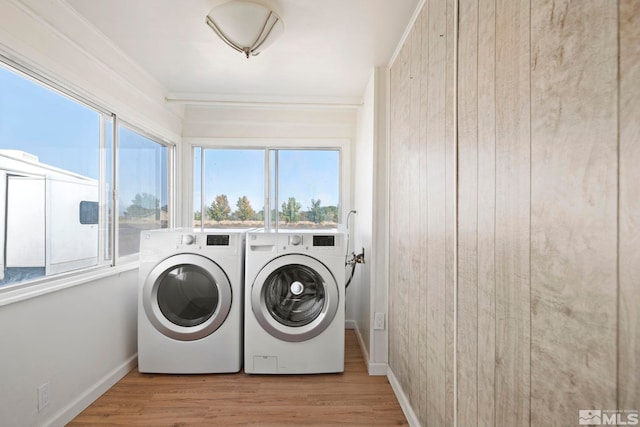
(47, 286)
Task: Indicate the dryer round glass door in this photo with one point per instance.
(294, 297)
(187, 297)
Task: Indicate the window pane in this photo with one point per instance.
(49, 171)
(57, 130)
(308, 188)
(143, 188)
(233, 188)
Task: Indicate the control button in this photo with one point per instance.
(188, 239)
(295, 239)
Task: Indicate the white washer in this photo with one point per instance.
(190, 301)
(294, 302)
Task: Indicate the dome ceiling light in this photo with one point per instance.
(247, 26)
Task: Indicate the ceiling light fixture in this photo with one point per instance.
(246, 26)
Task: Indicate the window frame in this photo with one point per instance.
(189, 145)
(108, 261)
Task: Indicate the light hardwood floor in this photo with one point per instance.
(352, 398)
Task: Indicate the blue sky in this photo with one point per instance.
(309, 174)
(28, 115)
(304, 174)
(65, 134)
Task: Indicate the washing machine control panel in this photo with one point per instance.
(288, 242)
(297, 242)
(202, 240)
(316, 240)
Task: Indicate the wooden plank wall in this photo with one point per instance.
(573, 209)
(493, 213)
(629, 233)
(421, 245)
(486, 321)
(447, 29)
(512, 212)
(467, 348)
(399, 227)
(548, 215)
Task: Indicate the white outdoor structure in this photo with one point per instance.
(44, 209)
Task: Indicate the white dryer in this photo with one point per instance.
(294, 302)
(190, 301)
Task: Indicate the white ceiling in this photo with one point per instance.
(328, 48)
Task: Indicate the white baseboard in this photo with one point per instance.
(373, 368)
(377, 369)
(363, 347)
(90, 395)
(350, 324)
(409, 413)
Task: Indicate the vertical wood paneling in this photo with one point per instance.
(573, 209)
(423, 212)
(543, 324)
(486, 212)
(413, 187)
(404, 224)
(629, 234)
(449, 19)
(512, 213)
(467, 289)
(437, 360)
(394, 107)
(398, 127)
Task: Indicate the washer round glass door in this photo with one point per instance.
(294, 297)
(187, 297)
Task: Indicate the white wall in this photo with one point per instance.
(80, 339)
(286, 122)
(368, 293)
(380, 218)
(359, 291)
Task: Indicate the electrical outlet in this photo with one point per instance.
(43, 396)
(378, 321)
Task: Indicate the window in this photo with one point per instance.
(143, 190)
(229, 188)
(303, 187)
(57, 180)
(49, 170)
(308, 188)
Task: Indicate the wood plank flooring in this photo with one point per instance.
(353, 398)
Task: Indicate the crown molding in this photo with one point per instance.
(265, 101)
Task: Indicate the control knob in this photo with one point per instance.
(295, 240)
(188, 239)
